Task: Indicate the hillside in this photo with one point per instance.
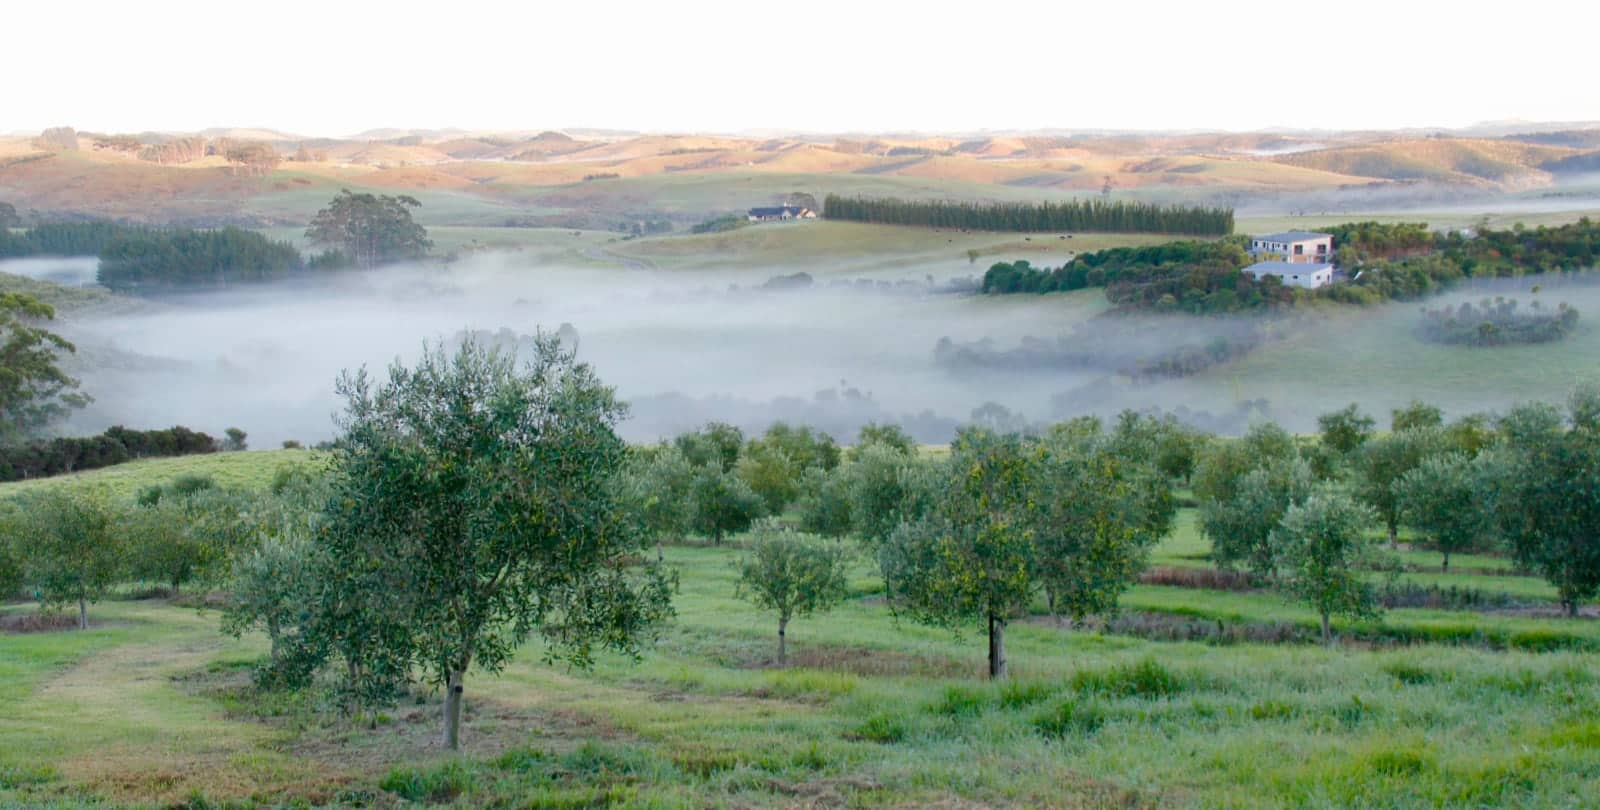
(591, 180)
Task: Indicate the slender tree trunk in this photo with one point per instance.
(452, 710)
(1394, 535)
(1571, 606)
(1327, 631)
(783, 652)
(661, 555)
(83, 614)
(1445, 569)
(1050, 602)
(997, 647)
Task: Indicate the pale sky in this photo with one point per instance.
(336, 68)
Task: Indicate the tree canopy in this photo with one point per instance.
(370, 229)
(34, 391)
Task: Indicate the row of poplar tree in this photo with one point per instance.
(1093, 215)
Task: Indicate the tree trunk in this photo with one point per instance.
(83, 614)
(1050, 602)
(783, 652)
(1445, 569)
(452, 710)
(1571, 607)
(1327, 631)
(997, 647)
(1394, 535)
(661, 555)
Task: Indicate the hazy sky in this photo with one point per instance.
(335, 68)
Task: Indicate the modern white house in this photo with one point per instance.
(1298, 247)
(1293, 274)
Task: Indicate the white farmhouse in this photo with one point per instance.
(1298, 247)
(1293, 274)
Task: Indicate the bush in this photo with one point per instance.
(1070, 718)
(882, 728)
(1146, 679)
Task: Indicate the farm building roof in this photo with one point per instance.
(1282, 268)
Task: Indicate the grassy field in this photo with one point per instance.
(247, 470)
(152, 707)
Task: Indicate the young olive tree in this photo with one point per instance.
(792, 575)
(971, 557)
(1325, 549)
(1545, 486)
(722, 502)
(1443, 498)
(824, 502)
(74, 546)
(1100, 508)
(1241, 527)
(657, 485)
(886, 488)
(1382, 462)
(476, 499)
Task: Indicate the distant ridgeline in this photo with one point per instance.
(1497, 323)
(136, 258)
(1401, 261)
(1074, 215)
(60, 456)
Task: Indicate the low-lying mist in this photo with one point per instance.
(684, 348)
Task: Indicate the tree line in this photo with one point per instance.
(472, 503)
(39, 459)
(1401, 261)
(355, 229)
(1120, 216)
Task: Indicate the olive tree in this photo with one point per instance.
(791, 574)
(1241, 527)
(721, 502)
(1545, 485)
(657, 484)
(74, 546)
(1443, 499)
(477, 497)
(1099, 509)
(886, 488)
(970, 558)
(1325, 550)
(1382, 462)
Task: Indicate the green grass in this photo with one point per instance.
(872, 713)
(252, 469)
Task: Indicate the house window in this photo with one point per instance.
(1299, 250)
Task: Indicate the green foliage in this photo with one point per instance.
(770, 472)
(889, 434)
(1546, 485)
(1346, 429)
(717, 443)
(1098, 508)
(885, 488)
(1415, 414)
(727, 222)
(1361, 242)
(1241, 528)
(65, 239)
(474, 503)
(38, 459)
(1325, 547)
(722, 503)
(1384, 460)
(74, 546)
(824, 502)
(1496, 323)
(370, 229)
(1446, 499)
(34, 391)
(792, 575)
(165, 259)
(657, 485)
(1120, 216)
